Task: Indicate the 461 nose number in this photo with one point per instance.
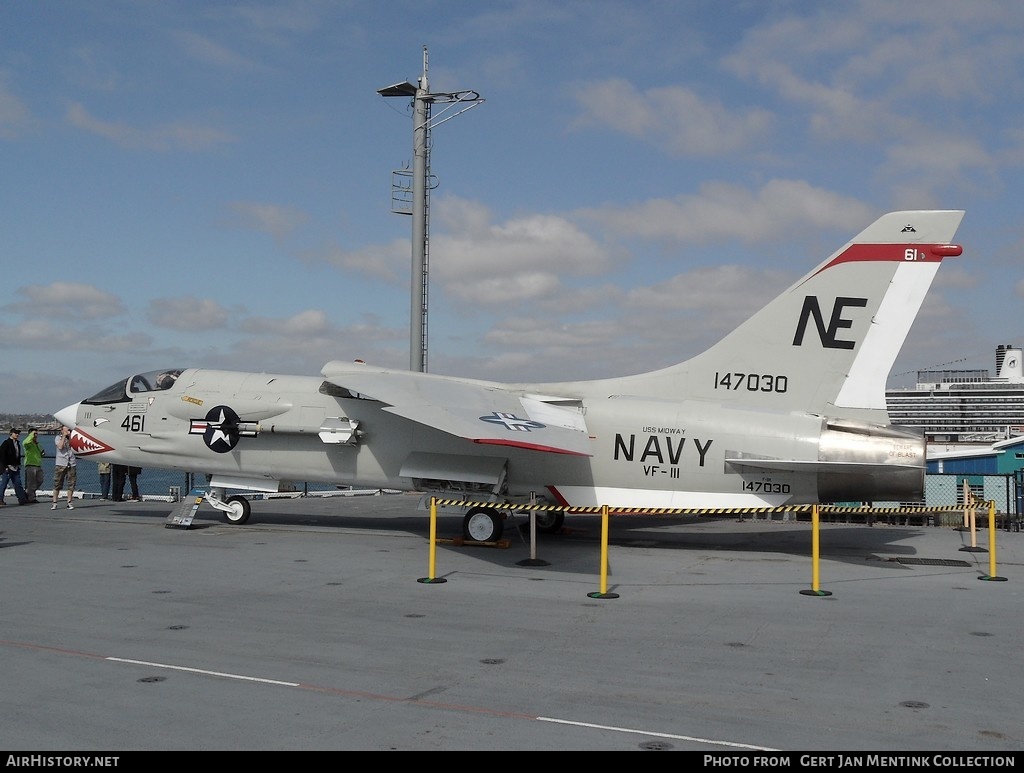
(134, 423)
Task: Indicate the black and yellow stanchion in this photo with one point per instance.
(533, 560)
(970, 503)
(970, 520)
(815, 589)
(432, 562)
(603, 593)
(991, 576)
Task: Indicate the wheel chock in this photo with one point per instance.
(461, 542)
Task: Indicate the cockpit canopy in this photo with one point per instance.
(125, 389)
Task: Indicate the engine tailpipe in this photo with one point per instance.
(880, 463)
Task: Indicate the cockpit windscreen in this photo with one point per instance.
(123, 390)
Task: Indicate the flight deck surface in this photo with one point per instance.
(312, 627)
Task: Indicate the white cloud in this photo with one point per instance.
(187, 313)
(202, 49)
(173, 136)
(726, 211)
(14, 113)
(68, 300)
(387, 262)
(276, 220)
(675, 118)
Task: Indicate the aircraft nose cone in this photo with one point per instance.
(68, 416)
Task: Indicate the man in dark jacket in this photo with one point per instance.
(133, 481)
(10, 458)
(118, 475)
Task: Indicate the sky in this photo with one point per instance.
(210, 183)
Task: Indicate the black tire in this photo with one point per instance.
(550, 521)
(239, 512)
(483, 524)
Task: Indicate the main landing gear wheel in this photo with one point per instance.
(483, 524)
(550, 521)
(239, 512)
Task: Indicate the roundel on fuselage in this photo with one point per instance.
(219, 429)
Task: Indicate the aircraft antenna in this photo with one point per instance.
(412, 196)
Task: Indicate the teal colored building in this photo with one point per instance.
(1004, 457)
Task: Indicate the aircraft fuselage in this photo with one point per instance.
(261, 429)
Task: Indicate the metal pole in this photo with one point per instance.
(418, 296)
(422, 101)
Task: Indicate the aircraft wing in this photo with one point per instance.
(480, 411)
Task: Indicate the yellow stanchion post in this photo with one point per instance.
(971, 513)
(967, 503)
(815, 589)
(603, 593)
(991, 576)
(431, 563)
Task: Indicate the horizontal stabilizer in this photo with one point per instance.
(797, 465)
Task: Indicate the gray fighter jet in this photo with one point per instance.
(787, 409)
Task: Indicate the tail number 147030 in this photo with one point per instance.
(752, 382)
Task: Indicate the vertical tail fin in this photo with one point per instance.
(827, 344)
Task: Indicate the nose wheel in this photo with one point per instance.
(236, 508)
(239, 510)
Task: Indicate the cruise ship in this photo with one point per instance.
(964, 408)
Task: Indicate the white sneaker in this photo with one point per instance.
(54, 506)
(70, 506)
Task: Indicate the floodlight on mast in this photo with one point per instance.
(414, 199)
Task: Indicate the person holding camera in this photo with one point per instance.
(64, 470)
